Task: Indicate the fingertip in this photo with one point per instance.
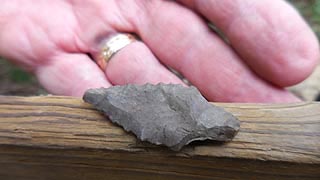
(295, 61)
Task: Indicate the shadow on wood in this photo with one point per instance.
(64, 138)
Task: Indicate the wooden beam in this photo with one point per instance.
(54, 137)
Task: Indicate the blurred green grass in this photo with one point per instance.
(12, 77)
(310, 10)
(15, 81)
(16, 74)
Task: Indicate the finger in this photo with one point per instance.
(136, 64)
(270, 36)
(183, 41)
(70, 74)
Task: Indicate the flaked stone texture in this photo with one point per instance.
(164, 114)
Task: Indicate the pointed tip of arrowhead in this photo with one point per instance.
(92, 95)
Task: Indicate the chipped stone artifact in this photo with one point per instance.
(167, 114)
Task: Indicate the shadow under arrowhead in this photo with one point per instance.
(166, 114)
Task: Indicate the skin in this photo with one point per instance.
(270, 46)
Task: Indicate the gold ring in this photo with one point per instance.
(112, 46)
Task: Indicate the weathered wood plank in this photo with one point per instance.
(64, 138)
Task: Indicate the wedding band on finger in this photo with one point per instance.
(113, 45)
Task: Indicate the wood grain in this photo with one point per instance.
(54, 137)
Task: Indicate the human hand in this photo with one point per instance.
(271, 47)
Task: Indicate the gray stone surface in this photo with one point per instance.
(166, 114)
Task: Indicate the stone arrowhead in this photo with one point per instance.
(166, 114)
